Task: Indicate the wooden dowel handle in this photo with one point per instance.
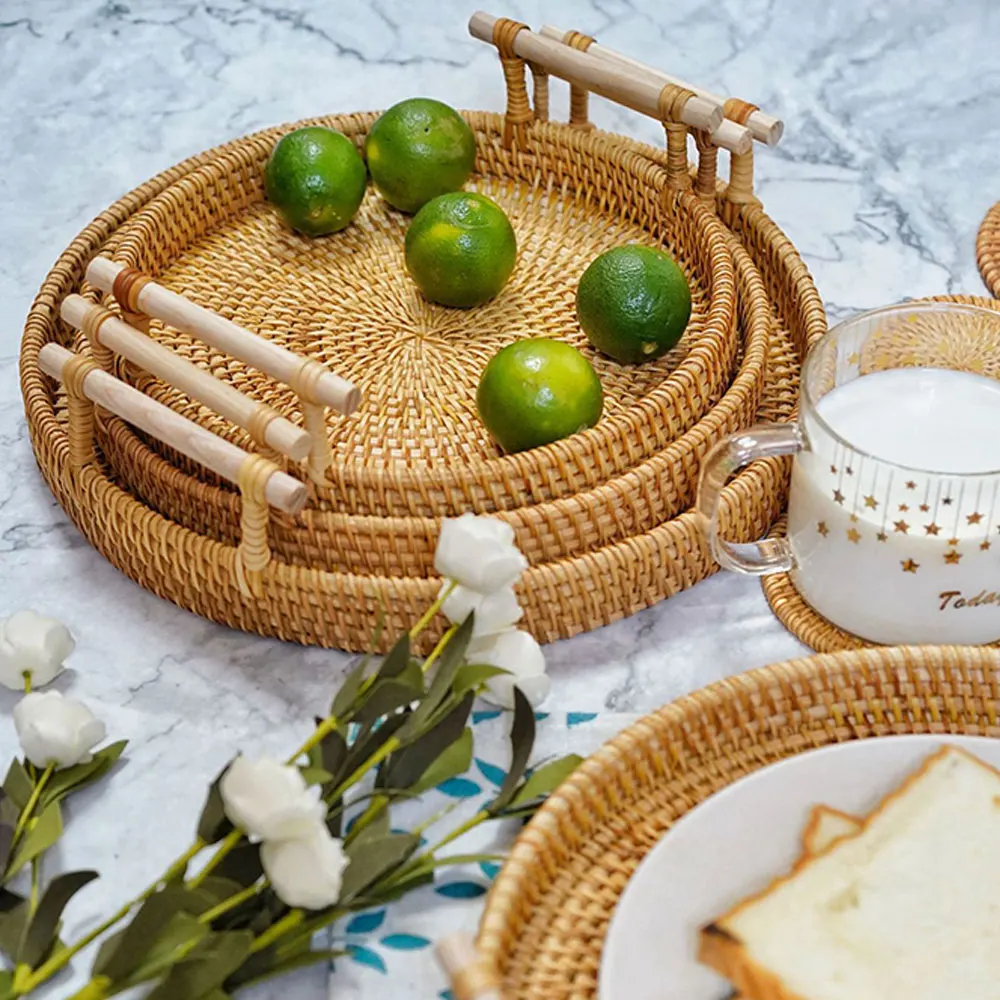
(617, 83)
(224, 335)
(761, 126)
(225, 459)
(280, 434)
(469, 980)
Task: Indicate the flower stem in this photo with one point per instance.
(288, 922)
(96, 989)
(29, 806)
(439, 648)
(230, 904)
(463, 828)
(36, 877)
(320, 733)
(228, 844)
(425, 619)
(27, 681)
(390, 746)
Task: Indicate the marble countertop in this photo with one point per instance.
(887, 166)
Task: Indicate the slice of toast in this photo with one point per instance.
(826, 826)
(906, 909)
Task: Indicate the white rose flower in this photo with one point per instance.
(268, 800)
(479, 553)
(32, 644)
(306, 872)
(494, 612)
(517, 652)
(56, 730)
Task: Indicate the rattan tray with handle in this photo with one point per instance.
(548, 911)
(603, 516)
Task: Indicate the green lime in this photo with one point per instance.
(633, 303)
(315, 178)
(419, 149)
(460, 249)
(534, 392)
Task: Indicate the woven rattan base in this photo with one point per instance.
(988, 250)
(548, 912)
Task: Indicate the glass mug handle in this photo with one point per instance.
(732, 453)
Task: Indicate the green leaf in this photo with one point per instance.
(372, 824)
(473, 675)
(219, 956)
(242, 865)
(41, 834)
(455, 760)
(448, 663)
(522, 739)
(182, 934)
(6, 983)
(405, 766)
(262, 966)
(18, 784)
(315, 775)
(71, 779)
(217, 888)
(332, 753)
(370, 740)
(371, 859)
(387, 696)
(40, 932)
(12, 924)
(343, 702)
(396, 660)
(155, 921)
(545, 779)
(213, 824)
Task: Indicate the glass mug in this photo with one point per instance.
(894, 508)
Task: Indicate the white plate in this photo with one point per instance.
(734, 844)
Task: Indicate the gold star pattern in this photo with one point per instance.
(953, 541)
(849, 471)
(901, 526)
(909, 566)
(947, 501)
(853, 359)
(823, 529)
(911, 485)
(952, 558)
(854, 519)
(833, 469)
(882, 536)
(924, 508)
(985, 544)
(903, 507)
(932, 528)
(854, 535)
(871, 503)
(974, 518)
(838, 496)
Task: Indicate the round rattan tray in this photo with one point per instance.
(548, 911)
(603, 516)
(988, 250)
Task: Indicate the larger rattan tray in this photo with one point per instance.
(603, 516)
(548, 911)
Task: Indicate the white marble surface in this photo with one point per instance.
(888, 164)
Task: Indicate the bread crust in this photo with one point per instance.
(816, 817)
(724, 952)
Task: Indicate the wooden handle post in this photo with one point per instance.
(469, 979)
(278, 433)
(225, 459)
(761, 126)
(224, 335)
(617, 83)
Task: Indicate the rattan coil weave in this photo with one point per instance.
(602, 516)
(988, 250)
(547, 914)
(789, 607)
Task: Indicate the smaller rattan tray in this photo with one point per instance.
(548, 912)
(988, 250)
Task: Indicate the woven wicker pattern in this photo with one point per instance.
(988, 250)
(549, 908)
(606, 528)
(806, 624)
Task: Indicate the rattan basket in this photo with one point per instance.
(603, 516)
(548, 911)
(988, 250)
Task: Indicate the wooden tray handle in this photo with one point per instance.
(470, 978)
(517, 44)
(316, 386)
(106, 333)
(261, 482)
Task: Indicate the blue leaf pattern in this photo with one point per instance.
(365, 956)
(405, 942)
(446, 995)
(459, 788)
(578, 718)
(478, 717)
(365, 923)
(491, 772)
(460, 890)
(541, 716)
(490, 869)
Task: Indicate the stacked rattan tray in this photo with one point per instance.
(604, 517)
(548, 911)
